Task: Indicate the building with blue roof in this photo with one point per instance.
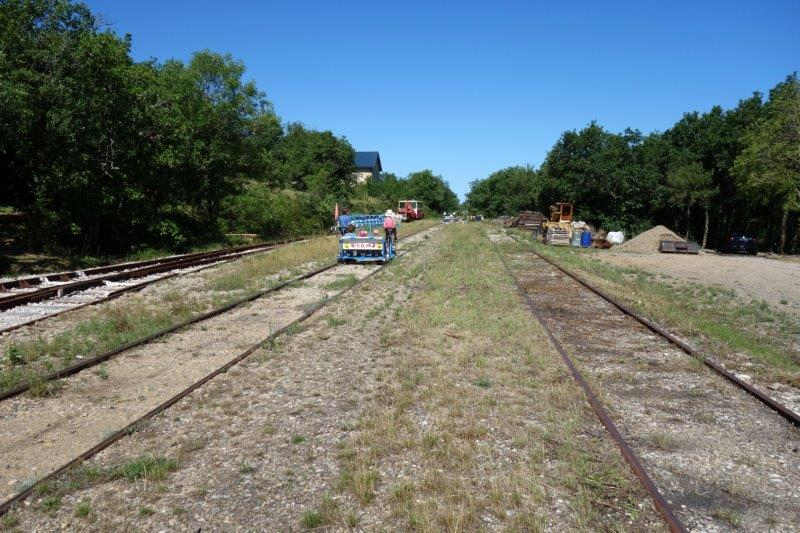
(368, 166)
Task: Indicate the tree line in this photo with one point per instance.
(105, 154)
(431, 189)
(708, 176)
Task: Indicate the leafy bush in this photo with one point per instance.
(274, 214)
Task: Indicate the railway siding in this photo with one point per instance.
(75, 290)
(448, 410)
(721, 458)
(31, 352)
(38, 435)
(370, 417)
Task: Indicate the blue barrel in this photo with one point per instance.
(586, 238)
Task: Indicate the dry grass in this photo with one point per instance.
(476, 419)
(714, 318)
(253, 272)
(112, 325)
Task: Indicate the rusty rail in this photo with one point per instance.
(770, 402)
(7, 505)
(661, 504)
(162, 265)
(88, 363)
(32, 281)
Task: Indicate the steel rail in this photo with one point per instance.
(33, 280)
(784, 411)
(93, 361)
(218, 258)
(661, 504)
(110, 296)
(131, 427)
(15, 300)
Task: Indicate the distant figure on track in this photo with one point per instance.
(390, 226)
(344, 221)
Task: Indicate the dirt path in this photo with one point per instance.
(757, 278)
(38, 435)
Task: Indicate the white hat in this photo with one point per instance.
(389, 213)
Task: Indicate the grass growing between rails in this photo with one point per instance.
(476, 418)
(28, 360)
(146, 468)
(714, 318)
(19, 263)
(250, 272)
(113, 324)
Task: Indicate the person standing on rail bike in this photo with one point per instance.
(390, 227)
(344, 221)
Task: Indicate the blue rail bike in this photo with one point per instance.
(366, 242)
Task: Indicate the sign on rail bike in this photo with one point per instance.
(364, 240)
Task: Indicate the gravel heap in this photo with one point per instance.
(648, 240)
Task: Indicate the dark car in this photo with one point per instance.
(740, 244)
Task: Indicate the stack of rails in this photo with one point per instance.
(528, 220)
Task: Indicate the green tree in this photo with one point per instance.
(769, 165)
(599, 172)
(263, 134)
(202, 112)
(315, 161)
(69, 131)
(103, 152)
(388, 188)
(691, 184)
(432, 190)
(505, 192)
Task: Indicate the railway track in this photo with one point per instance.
(709, 456)
(757, 393)
(195, 384)
(28, 300)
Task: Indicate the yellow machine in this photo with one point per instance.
(558, 230)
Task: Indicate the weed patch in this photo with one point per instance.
(343, 282)
(713, 317)
(83, 509)
(472, 354)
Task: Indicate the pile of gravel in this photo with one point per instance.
(648, 240)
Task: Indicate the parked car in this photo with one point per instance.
(739, 243)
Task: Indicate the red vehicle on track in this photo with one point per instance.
(410, 209)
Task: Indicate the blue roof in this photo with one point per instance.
(370, 160)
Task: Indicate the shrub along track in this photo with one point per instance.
(64, 425)
(720, 458)
(67, 291)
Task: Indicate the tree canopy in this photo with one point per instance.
(431, 189)
(711, 174)
(106, 154)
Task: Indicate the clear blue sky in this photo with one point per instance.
(466, 89)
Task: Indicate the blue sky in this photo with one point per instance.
(468, 88)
